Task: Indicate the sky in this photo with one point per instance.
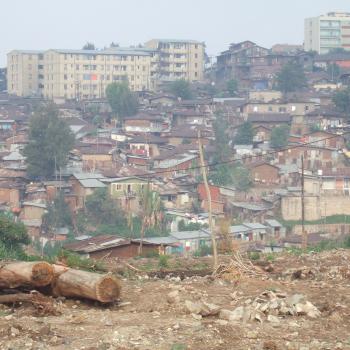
(69, 24)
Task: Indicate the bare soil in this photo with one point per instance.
(145, 319)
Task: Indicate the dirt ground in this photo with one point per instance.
(148, 318)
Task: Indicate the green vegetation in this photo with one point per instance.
(122, 101)
(204, 250)
(334, 219)
(89, 46)
(74, 260)
(50, 141)
(12, 238)
(58, 214)
(279, 136)
(181, 89)
(163, 261)
(342, 100)
(191, 226)
(323, 246)
(245, 134)
(291, 78)
(232, 87)
(254, 256)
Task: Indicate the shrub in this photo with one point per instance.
(254, 256)
(203, 250)
(163, 261)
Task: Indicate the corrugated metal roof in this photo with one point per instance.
(273, 223)
(238, 229)
(254, 225)
(184, 235)
(92, 183)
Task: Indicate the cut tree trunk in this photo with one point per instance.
(83, 284)
(25, 274)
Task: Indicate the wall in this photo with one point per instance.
(124, 252)
(316, 207)
(333, 230)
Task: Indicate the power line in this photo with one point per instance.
(213, 165)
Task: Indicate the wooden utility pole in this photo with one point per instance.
(304, 233)
(207, 190)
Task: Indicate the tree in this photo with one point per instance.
(50, 140)
(245, 134)
(279, 136)
(152, 211)
(334, 71)
(101, 208)
(232, 87)
(113, 44)
(342, 101)
(58, 214)
(181, 89)
(222, 148)
(291, 78)
(12, 237)
(122, 101)
(89, 46)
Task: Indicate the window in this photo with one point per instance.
(118, 187)
(196, 55)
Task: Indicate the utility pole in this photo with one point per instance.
(207, 190)
(304, 233)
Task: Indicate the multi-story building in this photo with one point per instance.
(85, 74)
(327, 32)
(25, 72)
(177, 59)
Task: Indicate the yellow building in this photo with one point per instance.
(24, 72)
(178, 59)
(85, 74)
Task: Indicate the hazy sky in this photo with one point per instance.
(44, 24)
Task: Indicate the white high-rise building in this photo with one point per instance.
(327, 32)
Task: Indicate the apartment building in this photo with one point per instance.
(25, 72)
(85, 74)
(327, 32)
(177, 59)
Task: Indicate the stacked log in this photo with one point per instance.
(62, 281)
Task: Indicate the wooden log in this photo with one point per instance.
(83, 284)
(23, 274)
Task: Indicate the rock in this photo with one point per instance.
(307, 309)
(269, 345)
(294, 299)
(273, 319)
(193, 308)
(252, 335)
(208, 309)
(221, 322)
(237, 314)
(173, 297)
(46, 330)
(196, 316)
(225, 314)
(14, 332)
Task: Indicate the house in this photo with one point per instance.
(262, 133)
(162, 100)
(146, 145)
(264, 173)
(111, 246)
(11, 193)
(249, 231)
(190, 241)
(96, 157)
(33, 210)
(325, 139)
(270, 120)
(84, 184)
(187, 134)
(275, 229)
(144, 123)
(127, 191)
(191, 118)
(325, 118)
(217, 202)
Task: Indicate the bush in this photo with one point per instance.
(163, 261)
(76, 261)
(204, 250)
(254, 256)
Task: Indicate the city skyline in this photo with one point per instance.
(101, 24)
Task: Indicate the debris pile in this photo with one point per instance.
(269, 305)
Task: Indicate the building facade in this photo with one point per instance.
(177, 59)
(327, 32)
(85, 74)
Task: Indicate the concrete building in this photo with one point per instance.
(85, 74)
(178, 59)
(25, 69)
(327, 32)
